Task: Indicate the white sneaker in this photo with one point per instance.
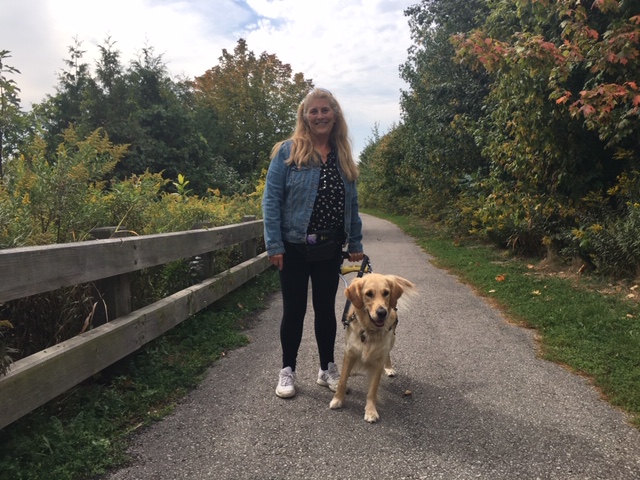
(329, 377)
(286, 383)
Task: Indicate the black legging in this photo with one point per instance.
(294, 281)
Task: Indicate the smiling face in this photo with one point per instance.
(320, 118)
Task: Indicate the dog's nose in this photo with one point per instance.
(381, 312)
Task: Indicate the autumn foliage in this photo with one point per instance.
(521, 125)
(255, 98)
(601, 42)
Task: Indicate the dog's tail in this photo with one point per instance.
(409, 291)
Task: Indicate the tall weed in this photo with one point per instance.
(62, 197)
(57, 199)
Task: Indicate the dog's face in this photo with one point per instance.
(378, 295)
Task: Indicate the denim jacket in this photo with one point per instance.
(289, 195)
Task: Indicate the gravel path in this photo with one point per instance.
(481, 403)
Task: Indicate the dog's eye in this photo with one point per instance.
(385, 293)
(369, 293)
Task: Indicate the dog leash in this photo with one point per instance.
(365, 266)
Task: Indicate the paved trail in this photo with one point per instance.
(482, 404)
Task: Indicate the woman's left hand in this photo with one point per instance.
(356, 257)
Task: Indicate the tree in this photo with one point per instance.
(562, 116)
(443, 96)
(166, 133)
(256, 98)
(142, 107)
(10, 114)
(555, 55)
(603, 42)
(65, 108)
(386, 181)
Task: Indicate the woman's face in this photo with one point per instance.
(320, 117)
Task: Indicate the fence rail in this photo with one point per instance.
(36, 379)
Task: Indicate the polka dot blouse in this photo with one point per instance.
(328, 211)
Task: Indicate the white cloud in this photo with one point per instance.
(188, 34)
(352, 47)
(25, 30)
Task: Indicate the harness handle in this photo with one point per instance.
(364, 267)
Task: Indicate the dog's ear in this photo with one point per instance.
(398, 286)
(396, 290)
(354, 293)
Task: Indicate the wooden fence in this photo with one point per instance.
(36, 379)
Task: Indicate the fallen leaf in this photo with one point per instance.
(492, 291)
(631, 295)
(407, 393)
(633, 288)
(630, 316)
(536, 292)
(500, 278)
(530, 267)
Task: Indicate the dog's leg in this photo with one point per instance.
(338, 397)
(370, 410)
(388, 368)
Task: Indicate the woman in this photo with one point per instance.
(310, 209)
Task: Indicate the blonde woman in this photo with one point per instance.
(310, 209)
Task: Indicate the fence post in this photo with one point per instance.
(206, 260)
(249, 247)
(114, 293)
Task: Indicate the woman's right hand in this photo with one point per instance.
(277, 260)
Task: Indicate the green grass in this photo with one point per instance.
(84, 432)
(594, 334)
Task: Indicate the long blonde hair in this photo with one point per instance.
(302, 152)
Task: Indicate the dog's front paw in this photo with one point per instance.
(336, 403)
(371, 415)
(390, 372)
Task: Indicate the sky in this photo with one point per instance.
(354, 48)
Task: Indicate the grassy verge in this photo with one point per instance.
(84, 432)
(593, 333)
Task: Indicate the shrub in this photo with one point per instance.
(61, 198)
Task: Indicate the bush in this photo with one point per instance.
(62, 198)
(614, 247)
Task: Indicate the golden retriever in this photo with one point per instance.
(370, 334)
